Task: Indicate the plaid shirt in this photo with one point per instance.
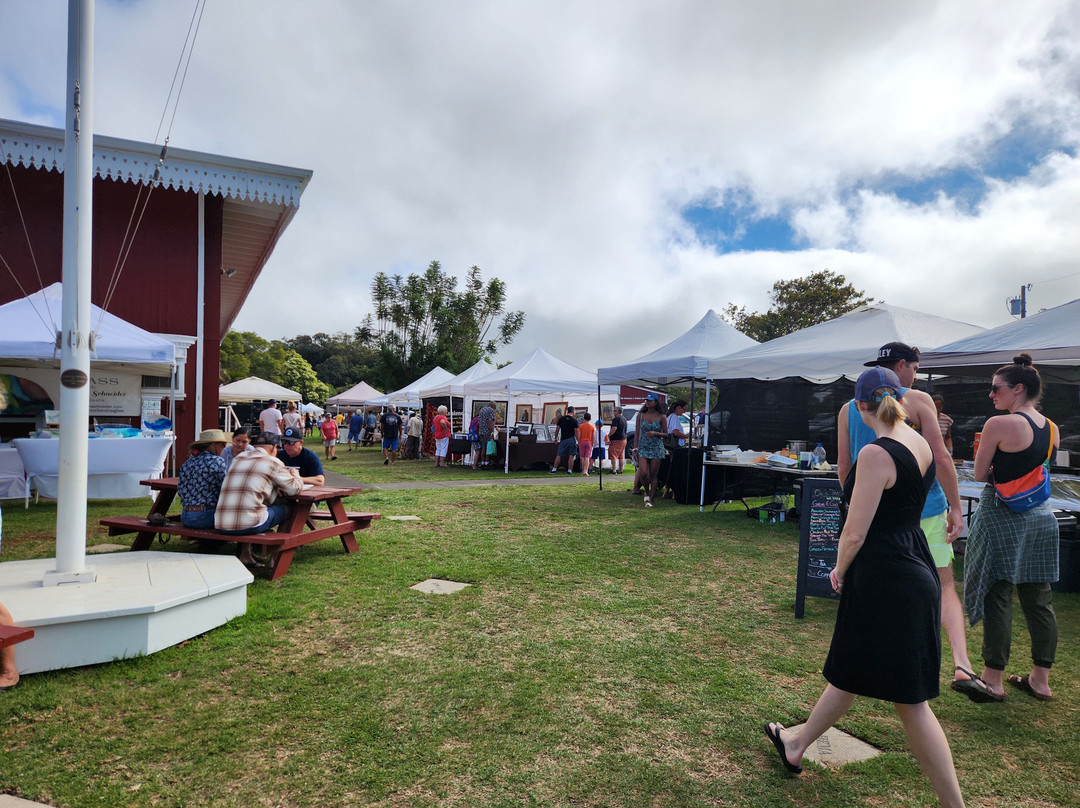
(252, 484)
(200, 480)
(1021, 548)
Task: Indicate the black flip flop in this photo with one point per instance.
(1024, 683)
(975, 688)
(780, 748)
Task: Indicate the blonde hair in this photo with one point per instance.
(888, 409)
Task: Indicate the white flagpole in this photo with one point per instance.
(76, 336)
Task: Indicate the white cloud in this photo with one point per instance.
(553, 143)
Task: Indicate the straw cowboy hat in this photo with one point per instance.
(208, 436)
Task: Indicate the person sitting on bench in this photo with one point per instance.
(9, 676)
(247, 501)
(200, 479)
(295, 456)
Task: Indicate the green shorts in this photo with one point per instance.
(936, 529)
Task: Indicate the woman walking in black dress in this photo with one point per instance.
(887, 640)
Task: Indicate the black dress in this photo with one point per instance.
(887, 640)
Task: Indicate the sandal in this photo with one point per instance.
(975, 688)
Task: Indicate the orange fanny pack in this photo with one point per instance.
(1024, 493)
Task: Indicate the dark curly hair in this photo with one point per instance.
(1022, 371)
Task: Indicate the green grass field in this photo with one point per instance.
(604, 655)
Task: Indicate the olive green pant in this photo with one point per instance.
(1037, 602)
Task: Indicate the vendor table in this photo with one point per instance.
(734, 475)
(12, 474)
(115, 466)
(523, 455)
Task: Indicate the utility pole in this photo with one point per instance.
(1018, 305)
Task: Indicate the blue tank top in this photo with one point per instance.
(859, 434)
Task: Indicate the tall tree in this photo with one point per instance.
(424, 320)
(244, 353)
(798, 304)
(340, 360)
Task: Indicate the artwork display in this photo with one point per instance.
(524, 414)
(607, 411)
(553, 411)
(500, 410)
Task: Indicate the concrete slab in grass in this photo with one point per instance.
(836, 748)
(403, 518)
(106, 548)
(434, 586)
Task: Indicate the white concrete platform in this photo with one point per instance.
(139, 604)
(836, 748)
(436, 586)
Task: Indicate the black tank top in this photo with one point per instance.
(1010, 466)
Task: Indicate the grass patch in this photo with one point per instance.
(605, 655)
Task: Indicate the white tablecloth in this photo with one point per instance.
(115, 465)
(12, 474)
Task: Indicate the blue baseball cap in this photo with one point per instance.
(652, 397)
(875, 379)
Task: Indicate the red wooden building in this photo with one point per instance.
(201, 238)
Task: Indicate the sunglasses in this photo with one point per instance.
(995, 387)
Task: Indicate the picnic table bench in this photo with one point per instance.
(9, 635)
(299, 529)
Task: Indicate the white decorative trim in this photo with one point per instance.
(42, 147)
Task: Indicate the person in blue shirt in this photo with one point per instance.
(356, 423)
(304, 460)
(200, 479)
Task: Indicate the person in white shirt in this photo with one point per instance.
(270, 419)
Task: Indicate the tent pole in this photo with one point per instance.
(704, 448)
(599, 434)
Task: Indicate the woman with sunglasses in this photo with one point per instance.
(651, 429)
(1006, 548)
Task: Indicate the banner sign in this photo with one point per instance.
(115, 394)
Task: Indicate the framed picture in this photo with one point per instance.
(543, 432)
(523, 429)
(553, 411)
(607, 411)
(500, 410)
(524, 414)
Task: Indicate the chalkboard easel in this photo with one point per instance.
(819, 535)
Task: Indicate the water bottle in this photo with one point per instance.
(819, 456)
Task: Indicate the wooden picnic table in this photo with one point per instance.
(302, 526)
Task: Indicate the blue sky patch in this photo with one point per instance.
(737, 226)
(1010, 157)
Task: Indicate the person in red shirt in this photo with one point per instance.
(329, 430)
(441, 428)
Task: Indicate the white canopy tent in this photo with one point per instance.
(410, 394)
(255, 389)
(28, 335)
(533, 379)
(455, 386)
(313, 409)
(684, 359)
(1052, 337)
(828, 351)
(355, 396)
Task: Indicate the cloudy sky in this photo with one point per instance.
(623, 165)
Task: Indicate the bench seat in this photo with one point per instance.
(119, 525)
(356, 516)
(9, 635)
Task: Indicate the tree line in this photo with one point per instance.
(417, 322)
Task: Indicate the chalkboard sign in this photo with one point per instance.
(819, 534)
